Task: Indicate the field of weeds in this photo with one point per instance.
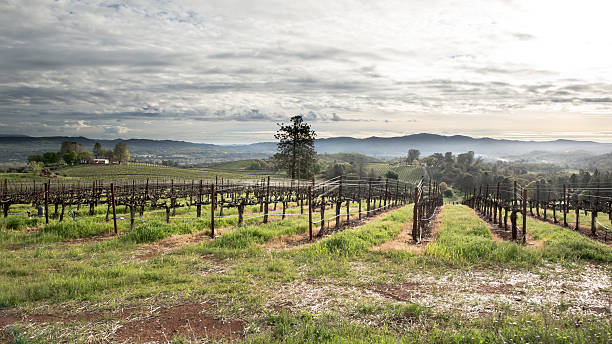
(267, 283)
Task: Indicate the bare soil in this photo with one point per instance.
(188, 320)
(473, 292)
(141, 325)
(170, 243)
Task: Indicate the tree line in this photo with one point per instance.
(73, 153)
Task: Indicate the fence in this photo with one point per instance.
(164, 195)
(560, 200)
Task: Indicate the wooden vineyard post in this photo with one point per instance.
(369, 197)
(545, 205)
(310, 212)
(146, 197)
(46, 202)
(91, 201)
(514, 193)
(564, 206)
(359, 197)
(222, 198)
(199, 206)
(593, 215)
(113, 205)
(500, 208)
(322, 215)
(554, 208)
(395, 198)
(348, 211)
(486, 209)
(265, 220)
(63, 205)
(415, 215)
(577, 215)
(538, 199)
(506, 218)
(212, 210)
(240, 213)
(524, 216)
(495, 205)
(301, 198)
(593, 212)
(339, 204)
(108, 204)
(387, 192)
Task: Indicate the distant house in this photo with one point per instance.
(101, 161)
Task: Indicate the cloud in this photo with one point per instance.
(138, 67)
(523, 36)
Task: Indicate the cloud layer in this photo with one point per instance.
(227, 71)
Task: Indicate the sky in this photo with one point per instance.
(228, 71)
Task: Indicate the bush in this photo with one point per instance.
(448, 193)
(391, 175)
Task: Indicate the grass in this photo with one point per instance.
(238, 278)
(464, 238)
(585, 220)
(19, 222)
(357, 241)
(565, 244)
(306, 328)
(405, 173)
(141, 171)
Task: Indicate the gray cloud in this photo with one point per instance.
(139, 67)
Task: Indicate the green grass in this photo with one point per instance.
(565, 244)
(463, 237)
(19, 222)
(237, 278)
(139, 172)
(306, 328)
(405, 173)
(585, 220)
(357, 241)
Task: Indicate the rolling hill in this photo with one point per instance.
(17, 148)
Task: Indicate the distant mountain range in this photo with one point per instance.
(17, 148)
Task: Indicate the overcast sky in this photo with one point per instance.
(227, 71)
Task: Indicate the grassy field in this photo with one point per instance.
(141, 171)
(136, 171)
(264, 283)
(405, 173)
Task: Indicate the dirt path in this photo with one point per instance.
(159, 324)
(474, 292)
(404, 241)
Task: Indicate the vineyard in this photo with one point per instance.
(263, 260)
(559, 206)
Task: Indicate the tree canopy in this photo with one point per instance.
(296, 152)
(121, 153)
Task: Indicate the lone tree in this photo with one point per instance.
(121, 153)
(413, 154)
(296, 153)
